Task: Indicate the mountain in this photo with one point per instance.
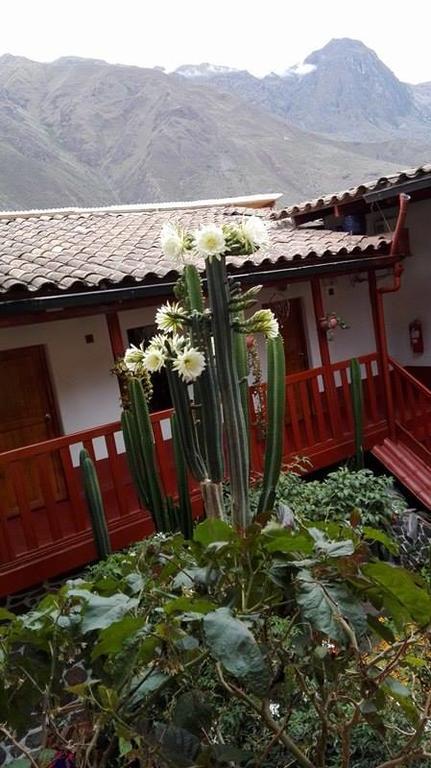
(84, 132)
(342, 90)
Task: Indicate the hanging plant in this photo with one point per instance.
(330, 322)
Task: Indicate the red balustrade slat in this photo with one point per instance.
(89, 447)
(17, 472)
(46, 470)
(74, 489)
(318, 409)
(164, 460)
(116, 473)
(370, 388)
(7, 551)
(293, 413)
(303, 393)
(400, 406)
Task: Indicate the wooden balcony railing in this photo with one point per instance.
(44, 525)
(412, 408)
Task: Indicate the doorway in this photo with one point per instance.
(290, 316)
(28, 414)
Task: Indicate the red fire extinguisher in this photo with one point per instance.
(416, 337)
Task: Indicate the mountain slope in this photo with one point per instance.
(342, 90)
(84, 132)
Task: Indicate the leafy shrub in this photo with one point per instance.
(341, 494)
(271, 648)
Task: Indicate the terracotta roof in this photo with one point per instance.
(349, 195)
(58, 252)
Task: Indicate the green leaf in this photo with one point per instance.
(113, 639)
(374, 534)
(124, 746)
(231, 643)
(403, 696)
(20, 762)
(179, 746)
(189, 605)
(213, 530)
(399, 585)
(322, 604)
(331, 548)
(192, 712)
(381, 629)
(101, 612)
(45, 757)
(190, 577)
(6, 615)
(287, 541)
(148, 683)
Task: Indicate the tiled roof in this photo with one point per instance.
(349, 195)
(57, 252)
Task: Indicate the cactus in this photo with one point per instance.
(184, 509)
(241, 361)
(95, 505)
(357, 408)
(230, 395)
(142, 459)
(275, 423)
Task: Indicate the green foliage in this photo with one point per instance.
(95, 505)
(275, 423)
(261, 649)
(343, 496)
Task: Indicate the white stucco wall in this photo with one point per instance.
(86, 393)
(414, 298)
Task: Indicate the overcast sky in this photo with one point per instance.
(274, 36)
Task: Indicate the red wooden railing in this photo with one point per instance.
(319, 418)
(44, 525)
(412, 407)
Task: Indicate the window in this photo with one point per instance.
(161, 398)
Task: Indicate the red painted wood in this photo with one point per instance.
(325, 356)
(318, 410)
(347, 399)
(297, 442)
(305, 407)
(25, 513)
(44, 464)
(371, 391)
(74, 491)
(116, 473)
(115, 335)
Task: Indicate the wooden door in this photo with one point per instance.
(27, 415)
(289, 314)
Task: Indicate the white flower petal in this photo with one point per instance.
(189, 364)
(210, 241)
(255, 230)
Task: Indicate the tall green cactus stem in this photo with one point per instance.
(275, 423)
(134, 456)
(194, 288)
(145, 436)
(95, 505)
(241, 359)
(358, 411)
(184, 506)
(234, 422)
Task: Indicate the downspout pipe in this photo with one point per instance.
(396, 251)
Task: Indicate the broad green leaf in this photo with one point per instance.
(288, 541)
(400, 585)
(329, 548)
(113, 639)
(100, 612)
(45, 757)
(124, 746)
(381, 629)
(147, 683)
(228, 754)
(179, 746)
(374, 534)
(403, 696)
(192, 712)
(189, 605)
(231, 643)
(20, 762)
(416, 662)
(213, 530)
(189, 577)
(322, 604)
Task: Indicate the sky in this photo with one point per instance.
(254, 35)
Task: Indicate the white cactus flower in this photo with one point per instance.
(256, 231)
(189, 364)
(133, 357)
(172, 241)
(169, 317)
(210, 241)
(153, 359)
(264, 321)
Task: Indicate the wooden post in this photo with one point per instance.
(376, 300)
(115, 335)
(325, 356)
